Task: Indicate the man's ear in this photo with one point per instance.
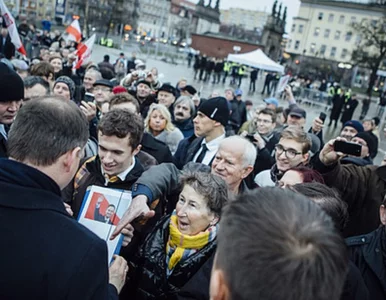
(70, 157)
(382, 213)
(218, 289)
(136, 150)
(247, 171)
(306, 157)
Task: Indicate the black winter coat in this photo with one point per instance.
(349, 109)
(147, 273)
(337, 105)
(368, 252)
(159, 150)
(3, 146)
(45, 252)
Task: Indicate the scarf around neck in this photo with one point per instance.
(181, 246)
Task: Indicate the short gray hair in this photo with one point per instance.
(212, 187)
(184, 99)
(250, 152)
(98, 75)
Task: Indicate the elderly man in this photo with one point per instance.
(184, 110)
(103, 91)
(233, 162)
(11, 98)
(167, 95)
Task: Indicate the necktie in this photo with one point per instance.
(200, 157)
(113, 179)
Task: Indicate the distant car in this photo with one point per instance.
(188, 50)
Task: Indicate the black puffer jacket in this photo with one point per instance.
(147, 275)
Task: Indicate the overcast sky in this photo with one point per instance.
(264, 5)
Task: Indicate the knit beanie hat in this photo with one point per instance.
(371, 143)
(216, 109)
(143, 81)
(354, 124)
(68, 81)
(11, 85)
(119, 90)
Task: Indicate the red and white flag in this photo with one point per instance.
(74, 32)
(84, 52)
(12, 29)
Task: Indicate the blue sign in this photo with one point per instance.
(60, 8)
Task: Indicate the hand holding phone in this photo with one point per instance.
(88, 97)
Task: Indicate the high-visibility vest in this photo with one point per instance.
(227, 66)
(103, 41)
(241, 70)
(110, 43)
(331, 91)
(347, 96)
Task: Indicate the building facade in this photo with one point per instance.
(323, 28)
(248, 19)
(153, 17)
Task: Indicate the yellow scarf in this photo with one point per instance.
(181, 246)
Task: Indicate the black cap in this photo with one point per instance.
(298, 112)
(168, 88)
(370, 141)
(11, 85)
(190, 89)
(216, 109)
(143, 81)
(104, 82)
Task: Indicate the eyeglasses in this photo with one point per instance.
(263, 121)
(289, 153)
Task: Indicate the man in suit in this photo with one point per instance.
(44, 160)
(11, 97)
(110, 210)
(6, 46)
(209, 130)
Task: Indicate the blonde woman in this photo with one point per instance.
(159, 124)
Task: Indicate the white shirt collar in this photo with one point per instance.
(214, 144)
(122, 176)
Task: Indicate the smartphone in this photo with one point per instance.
(250, 137)
(322, 116)
(88, 97)
(348, 148)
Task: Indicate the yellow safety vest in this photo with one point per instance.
(103, 41)
(241, 70)
(227, 67)
(110, 43)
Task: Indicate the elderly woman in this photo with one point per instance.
(179, 246)
(159, 124)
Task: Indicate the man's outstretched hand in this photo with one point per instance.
(137, 209)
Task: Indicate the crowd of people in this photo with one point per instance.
(228, 202)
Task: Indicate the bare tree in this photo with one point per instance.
(371, 50)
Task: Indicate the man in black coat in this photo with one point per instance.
(66, 260)
(349, 109)
(368, 252)
(337, 105)
(10, 102)
(6, 46)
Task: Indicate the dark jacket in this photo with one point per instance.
(64, 259)
(349, 109)
(8, 49)
(354, 287)
(235, 118)
(159, 150)
(368, 253)
(186, 150)
(186, 127)
(147, 275)
(337, 105)
(242, 109)
(358, 161)
(265, 160)
(254, 74)
(3, 146)
(144, 104)
(362, 188)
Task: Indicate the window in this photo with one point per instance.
(323, 49)
(344, 54)
(289, 44)
(293, 28)
(358, 40)
(327, 33)
(333, 52)
(331, 18)
(312, 48)
(348, 36)
(301, 27)
(316, 32)
(341, 19)
(320, 16)
(297, 44)
(353, 20)
(337, 35)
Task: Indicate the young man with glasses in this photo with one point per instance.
(291, 151)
